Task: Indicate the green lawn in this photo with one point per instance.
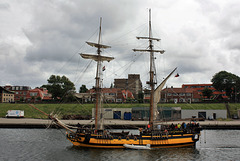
(86, 109)
(60, 109)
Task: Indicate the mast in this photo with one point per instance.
(99, 59)
(152, 79)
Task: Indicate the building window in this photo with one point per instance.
(119, 100)
(33, 94)
(182, 100)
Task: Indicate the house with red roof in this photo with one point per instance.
(38, 95)
(176, 95)
(190, 93)
(200, 87)
(113, 95)
(20, 92)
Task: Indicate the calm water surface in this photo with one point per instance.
(51, 145)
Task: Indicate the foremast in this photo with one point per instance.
(152, 79)
(99, 59)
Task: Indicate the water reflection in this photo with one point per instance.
(138, 155)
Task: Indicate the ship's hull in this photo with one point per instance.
(170, 141)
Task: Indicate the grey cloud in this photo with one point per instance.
(233, 41)
(57, 31)
(4, 6)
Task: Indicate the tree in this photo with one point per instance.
(59, 86)
(83, 89)
(33, 99)
(228, 82)
(140, 97)
(207, 92)
(111, 86)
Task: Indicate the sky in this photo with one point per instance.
(43, 38)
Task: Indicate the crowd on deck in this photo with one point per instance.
(183, 126)
(189, 127)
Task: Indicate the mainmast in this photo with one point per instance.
(152, 79)
(99, 59)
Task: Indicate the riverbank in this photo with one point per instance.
(85, 110)
(116, 124)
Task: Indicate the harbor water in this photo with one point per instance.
(51, 145)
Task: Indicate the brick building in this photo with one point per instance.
(112, 95)
(121, 83)
(190, 93)
(200, 87)
(20, 92)
(38, 95)
(179, 95)
(133, 84)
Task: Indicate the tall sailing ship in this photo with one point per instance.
(99, 137)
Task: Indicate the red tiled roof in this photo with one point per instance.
(179, 90)
(43, 93)
(127, 94)
(105, 90)
(123, 93)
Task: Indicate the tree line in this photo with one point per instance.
(63, 88)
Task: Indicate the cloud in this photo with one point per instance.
(41, 38)
(4, 6)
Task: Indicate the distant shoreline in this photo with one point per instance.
(114, 124)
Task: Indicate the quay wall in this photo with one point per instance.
(116, 124)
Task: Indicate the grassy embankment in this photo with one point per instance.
(86, 109)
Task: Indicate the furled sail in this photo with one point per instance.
(97, 45)
(157, 95)
(97, 57)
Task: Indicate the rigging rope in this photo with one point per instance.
(82, 76)
(53, 118)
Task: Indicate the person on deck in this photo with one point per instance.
(172, 126)
(176, 127)
(148, 126)
(179, 126)
(184, 126)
